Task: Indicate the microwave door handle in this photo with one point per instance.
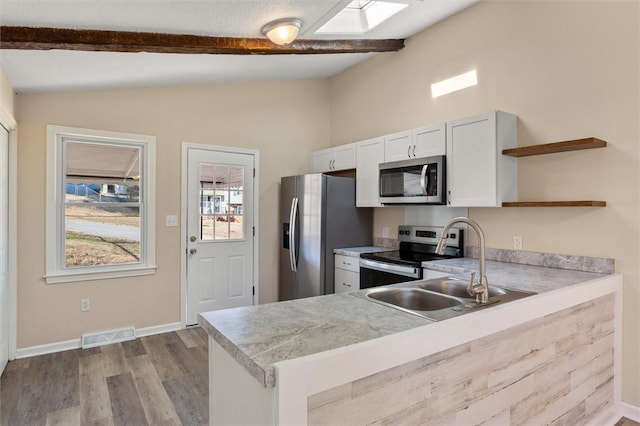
(423, 178)
(293, 215)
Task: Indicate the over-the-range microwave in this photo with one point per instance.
(415, 181)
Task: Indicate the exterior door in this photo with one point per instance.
(4, 243)
(220, 231)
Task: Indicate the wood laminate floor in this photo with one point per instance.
(154, 380)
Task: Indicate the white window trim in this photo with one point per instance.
(55, 271)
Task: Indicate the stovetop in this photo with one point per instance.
(403, 257)
(418, 244)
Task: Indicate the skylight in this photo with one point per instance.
(360, 16)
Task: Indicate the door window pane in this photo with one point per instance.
(221, 201)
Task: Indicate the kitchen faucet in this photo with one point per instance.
(480, 289)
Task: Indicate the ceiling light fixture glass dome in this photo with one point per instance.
(282, 31)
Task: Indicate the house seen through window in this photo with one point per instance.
(221, 200)
(102, 204)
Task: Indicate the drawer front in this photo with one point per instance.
(346, 280)
(347, 262)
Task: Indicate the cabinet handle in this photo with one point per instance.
(449, 197)
(332, 166)
(346, 263)
(348, 285)
(414, 150)
(409, 151)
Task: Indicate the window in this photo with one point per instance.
(361, 16)
(221, 203)
(100, 204)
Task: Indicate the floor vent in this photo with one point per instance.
(107, 337)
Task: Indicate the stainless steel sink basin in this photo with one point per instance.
(456, 288)
(436, 299)
(414, 299)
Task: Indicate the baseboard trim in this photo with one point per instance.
(629, 411)
(50, 348)
(611, 415)
(158, 329)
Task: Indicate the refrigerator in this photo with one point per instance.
(318, 214)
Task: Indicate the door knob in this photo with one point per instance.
(192, 239)
(193, 251)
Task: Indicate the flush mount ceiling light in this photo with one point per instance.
(282, 31)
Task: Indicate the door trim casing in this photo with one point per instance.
(8, 122)
(186, 146)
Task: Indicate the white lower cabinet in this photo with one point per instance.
(347, 273)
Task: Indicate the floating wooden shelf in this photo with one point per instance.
(589, 203)
(550, 148)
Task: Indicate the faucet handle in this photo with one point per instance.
(470, 287)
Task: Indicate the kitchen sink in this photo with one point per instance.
(456, 288)
(414, 299)
(436, 299)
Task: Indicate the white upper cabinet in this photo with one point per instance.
(416, 143)
(370, 153)
(344, 157)
(341, 157)
(321, 161)
(430, 140)
(478, 175)
(398, 146)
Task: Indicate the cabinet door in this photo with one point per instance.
(430, 140)
(347, 262)
(321, 161)
(344, 157)
(370, 153)
(478, 175)
(346, 280)
(398, 146)
(471, 161)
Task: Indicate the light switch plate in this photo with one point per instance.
(171, 220)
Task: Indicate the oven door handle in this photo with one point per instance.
(407, 271)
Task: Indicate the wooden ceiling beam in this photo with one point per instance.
(40, 38)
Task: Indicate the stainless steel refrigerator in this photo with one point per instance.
(318, 214)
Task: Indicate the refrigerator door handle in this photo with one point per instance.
(293, 215)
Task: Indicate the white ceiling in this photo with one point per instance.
(55, 70)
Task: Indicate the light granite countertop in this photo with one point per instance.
(260, 336)
(537, 279)
(357, 251)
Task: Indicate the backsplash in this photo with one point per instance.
(577, 263)
(390, 243)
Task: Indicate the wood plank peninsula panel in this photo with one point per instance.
(557, 369)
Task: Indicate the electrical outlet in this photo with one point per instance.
(385, 232)
(85, 305)
(517, 243)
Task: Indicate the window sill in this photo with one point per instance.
(69, 277)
